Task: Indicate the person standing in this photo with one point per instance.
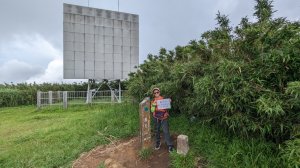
(161, 120)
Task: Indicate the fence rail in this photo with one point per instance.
(65, 98)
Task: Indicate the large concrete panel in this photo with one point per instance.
(89, 56)
(89, 20)
(98, 43)
(99, 30)
(108, 58)
(99, 47)
(108, 22)
(117, 32)
(68, 46)
(79, 46)
(118, 24)
(108, 49)
(117, 49)
(69, 56)
(69, 73)
(69, 36)
(78, 28)
(79, 56)
(118, 40)
(89, 74)
(89, 29)
(109, 66)
(79, 19)
(79, 74)
(99, 21)
(89, 38)
(89, 65)
(89, 47)
(99, 66)
(99, 74)
(88, 11)
(69, 65)
(99, 57)
(109, 74)
(108, 40)
(118, 58)
(126, 25)
(79, 37)
(126, 41)
(79, 65)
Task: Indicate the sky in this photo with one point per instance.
(31, 31)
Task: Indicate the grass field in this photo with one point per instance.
(214, 147)
(55, 137)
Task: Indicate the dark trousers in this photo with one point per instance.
(165, 127)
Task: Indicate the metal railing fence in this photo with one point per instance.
(65, 98)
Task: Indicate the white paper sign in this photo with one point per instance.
(164, 104)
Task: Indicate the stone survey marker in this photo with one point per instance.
(99, 44)
(182, 144)
(145, 129)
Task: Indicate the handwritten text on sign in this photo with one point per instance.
(164, 104)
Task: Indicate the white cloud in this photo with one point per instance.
(30, 58)
(53, 73)
(17, 71)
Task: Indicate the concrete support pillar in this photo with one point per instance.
(50, 97)
(65, 99)
(38, 99)
(112, 95)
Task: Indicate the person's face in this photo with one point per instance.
(156, 93)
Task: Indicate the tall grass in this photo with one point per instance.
(55, 137)
(220, 149)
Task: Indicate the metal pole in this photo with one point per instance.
(118, 5)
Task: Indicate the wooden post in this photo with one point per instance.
(145, 129)
(65, 99)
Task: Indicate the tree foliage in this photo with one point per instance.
(244, 78)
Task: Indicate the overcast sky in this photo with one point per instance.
(31, 30)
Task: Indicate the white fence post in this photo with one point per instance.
(65, 99)
(112, 94)
(90, 94)
(38, 99)
(58, 96)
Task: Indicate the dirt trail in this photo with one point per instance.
(123, 154)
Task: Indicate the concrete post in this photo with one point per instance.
(112, 94)
(58, 96)
(50, 97)
(38, 99)
(145, 129)
(65, 99)
(90, 95)
(182, 144)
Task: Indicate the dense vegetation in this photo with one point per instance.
(245, 79)
(25, 93)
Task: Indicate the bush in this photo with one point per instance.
(244, 78)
